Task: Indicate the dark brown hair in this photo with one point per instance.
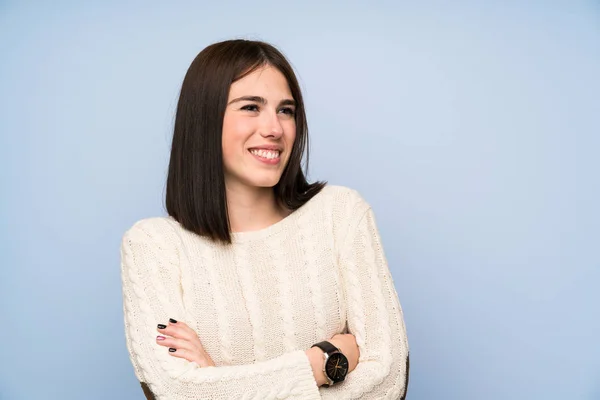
(195, 194)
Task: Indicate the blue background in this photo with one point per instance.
(473, 128)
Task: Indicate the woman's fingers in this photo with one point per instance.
(183, 353)
(180, 348)
(182, 342)
(178, 330)
(176, 343)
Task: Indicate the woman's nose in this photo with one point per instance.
(272, 126)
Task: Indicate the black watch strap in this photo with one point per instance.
(326, 347)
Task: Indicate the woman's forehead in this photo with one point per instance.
(264, 81)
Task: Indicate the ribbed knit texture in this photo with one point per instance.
(259, 303)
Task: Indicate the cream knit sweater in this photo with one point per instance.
(259, 303)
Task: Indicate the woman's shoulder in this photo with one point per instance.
(344, 200)
(156, 229)
(339, 209)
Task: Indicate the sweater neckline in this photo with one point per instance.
(273, 229)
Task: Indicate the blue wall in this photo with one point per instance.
(472, 128)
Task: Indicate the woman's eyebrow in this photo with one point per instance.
(262, 100)
(287, 102)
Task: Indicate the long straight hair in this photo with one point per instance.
(195, 193)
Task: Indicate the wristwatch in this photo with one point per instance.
(335, 366)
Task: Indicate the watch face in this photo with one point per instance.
(337, 367)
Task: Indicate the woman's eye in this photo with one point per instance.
(287, 110)
(250, 107)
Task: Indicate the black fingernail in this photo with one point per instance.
(161, 326)
(172, 350)
(171, 320)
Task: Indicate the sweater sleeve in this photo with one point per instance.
(374, 317)
(151, 279)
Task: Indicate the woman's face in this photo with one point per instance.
(259, 129)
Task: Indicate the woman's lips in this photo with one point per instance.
(270, 157)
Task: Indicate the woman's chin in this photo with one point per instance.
(266, 184)
(266, 181)
(257, 179)
(261, 183)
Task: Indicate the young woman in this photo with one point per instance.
(258, 285)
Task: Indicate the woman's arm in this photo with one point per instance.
(152, 294)
(374, 316)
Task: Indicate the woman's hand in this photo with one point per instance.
(183, 342)
(346, 342)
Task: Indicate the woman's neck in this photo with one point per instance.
(252, 209)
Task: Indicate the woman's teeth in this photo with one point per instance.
(270, 154)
